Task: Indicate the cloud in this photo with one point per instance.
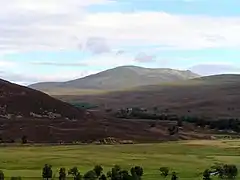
(120, 52)
(7, 64)
(57, 64)
(27, 25)
(27, 79)
(97, 45)
(211, 69)
(143, 57)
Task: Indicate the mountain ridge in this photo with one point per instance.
(121, 77)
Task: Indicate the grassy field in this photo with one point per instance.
(188, 158)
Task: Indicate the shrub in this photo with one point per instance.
(174, 176)
(137, 170)
(230, 171)
(75, 173)
(98, 170)
(90, 175)
(1, 175)
(164, 171)
(225, 171)
(103, 177)
(206, 175)
(24, 140)
(16, 178)
(47, 172)
(62, 174)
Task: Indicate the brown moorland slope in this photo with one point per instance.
(45, 131)
(213, 96)
(18, 104)
(16, 100)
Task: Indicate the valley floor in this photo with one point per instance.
(188, 158)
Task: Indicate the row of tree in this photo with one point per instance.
(223, 171)
(220, 124)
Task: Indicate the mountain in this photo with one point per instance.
(214, 69)
(30, 113)
(20, 101)
(123, 77)
(211, 96)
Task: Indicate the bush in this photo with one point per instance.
(103, 177)
(16, 178)
(75, 173)
(90, 175)
(98, 170)
(62, 174)
(47, 172)
(164, 171)
(225, 171)
(137, 170)
(206, 175)
(1, 175)
(174, 176)
(230, 171)
(24, 140)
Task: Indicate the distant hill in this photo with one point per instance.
(123, 77)
(20, 101)
(211, 96)
(30, 113)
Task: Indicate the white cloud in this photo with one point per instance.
(109, 60)
(6, 64)
(64, 24)
(143, 57)
(27, 79)
(27, 25)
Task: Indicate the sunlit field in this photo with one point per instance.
(188, 158)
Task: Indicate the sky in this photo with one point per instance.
(60, 40)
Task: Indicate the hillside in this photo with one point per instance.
(21, 101)
(123, 77)
(42, 118)
(212, 96)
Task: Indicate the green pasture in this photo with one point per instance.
(188, 158)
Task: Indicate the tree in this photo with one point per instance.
(62, 174)
(115, 174)
(218, 169)
(164, 171)
(125, 175)
(230, 171)
(24, 139)
(225, 171)
(1, 175)
(206, 175)
(47, 172)
(75, 173)
(103, 177)
(16, 178)
(98, 170)
(137, 172)
(90, 175)
(174, 176)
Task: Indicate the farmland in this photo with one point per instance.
(188, 158)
